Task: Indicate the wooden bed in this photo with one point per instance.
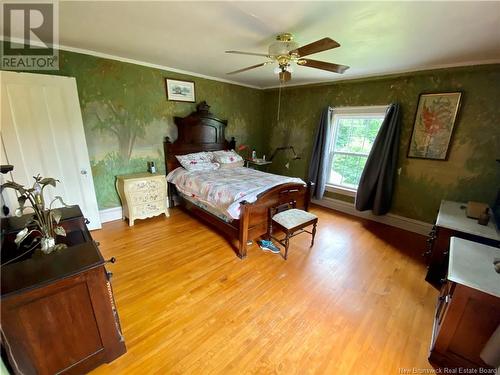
(202, 131)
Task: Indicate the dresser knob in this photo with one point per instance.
(111, 260)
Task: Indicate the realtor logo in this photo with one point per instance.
(30, 30)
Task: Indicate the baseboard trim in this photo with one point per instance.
(110, 214)
(397, 221)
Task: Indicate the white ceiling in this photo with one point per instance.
(375, 37)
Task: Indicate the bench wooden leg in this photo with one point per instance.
(313, 233)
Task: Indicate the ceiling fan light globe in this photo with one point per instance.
(278, 48)
(277, 70)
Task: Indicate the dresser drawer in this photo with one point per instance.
(149, 209)
(151, 185)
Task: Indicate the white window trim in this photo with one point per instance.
(363, 111)
(340, 190)
(372, 109)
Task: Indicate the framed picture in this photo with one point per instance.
(433, 127)
(180, 91)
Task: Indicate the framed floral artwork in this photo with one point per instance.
(433, 127)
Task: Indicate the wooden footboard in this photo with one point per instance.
(254, 216)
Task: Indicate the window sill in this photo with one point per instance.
(341, 190)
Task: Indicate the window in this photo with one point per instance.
(354, 131)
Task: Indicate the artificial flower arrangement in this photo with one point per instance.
(45, 220)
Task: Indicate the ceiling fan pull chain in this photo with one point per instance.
(279, 103)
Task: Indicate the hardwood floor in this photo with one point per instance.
(355, 303)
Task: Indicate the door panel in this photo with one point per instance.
(42, 132)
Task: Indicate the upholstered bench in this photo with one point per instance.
(290, 220)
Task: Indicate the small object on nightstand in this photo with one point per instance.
(151, 167)
(484, 218)
(143, 195)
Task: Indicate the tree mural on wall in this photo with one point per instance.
(124, 103)
(114, 118)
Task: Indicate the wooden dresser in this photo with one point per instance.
(468, 309)
(452, 221)
(58, 310)
(142, 195)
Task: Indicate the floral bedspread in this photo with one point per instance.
(224, 189)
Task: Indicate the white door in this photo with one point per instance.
(42, 133)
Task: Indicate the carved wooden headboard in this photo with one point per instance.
(200, 131)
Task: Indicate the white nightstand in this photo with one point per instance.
(143, 195)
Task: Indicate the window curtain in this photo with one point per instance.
(318, 166)
(377, 180)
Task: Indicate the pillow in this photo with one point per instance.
(226, 156)
(204, 166)
(236, 164)
(197, 161)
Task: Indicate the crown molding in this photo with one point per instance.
(379, 75)
(388, 74)
(63, 47)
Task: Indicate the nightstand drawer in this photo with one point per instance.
(151, 185)
(146, 197)
(148, 209)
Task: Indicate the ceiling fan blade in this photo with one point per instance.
(331, 67)
(315, 47)
(250, 67)
(248, 53)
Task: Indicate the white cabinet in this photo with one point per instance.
(143, 195)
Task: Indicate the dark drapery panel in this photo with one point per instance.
(377, 180)
(318, 166)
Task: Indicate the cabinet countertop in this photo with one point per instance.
(452, 216)
(471, 264)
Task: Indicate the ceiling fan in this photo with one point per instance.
(285, 51)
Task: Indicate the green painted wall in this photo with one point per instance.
(471, 172)
(126, 115)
